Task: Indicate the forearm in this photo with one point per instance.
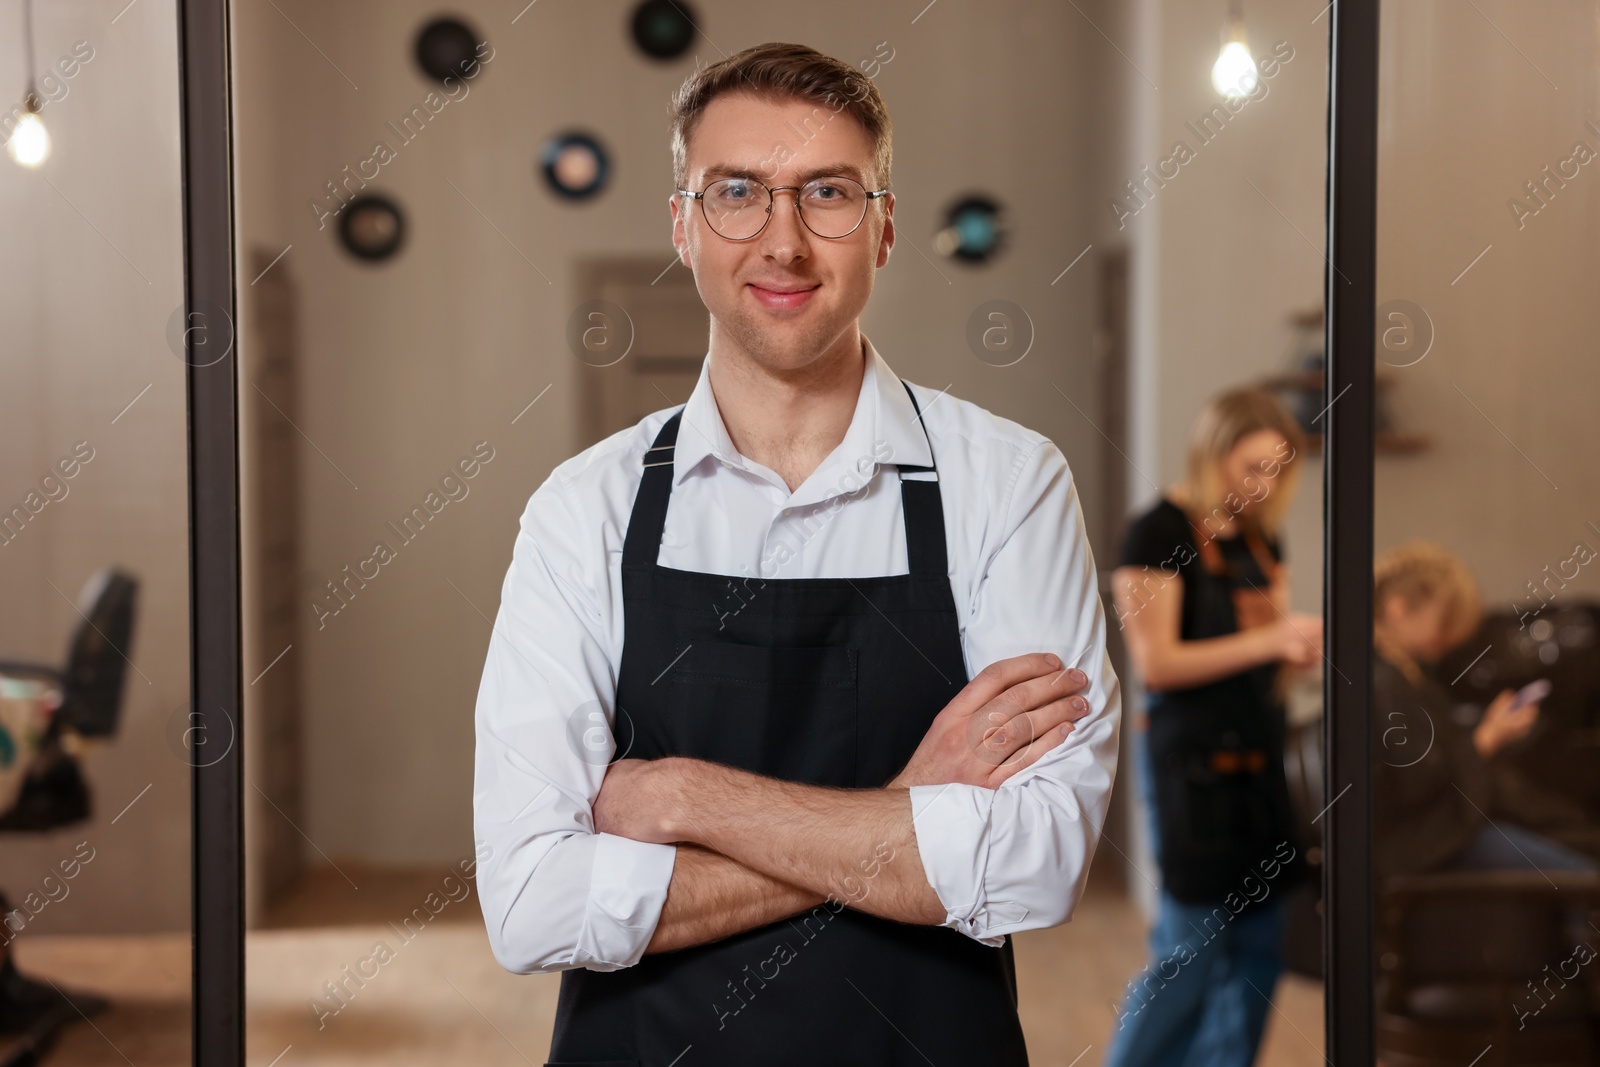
(855, 845)
(712, 897)
(1184, 664)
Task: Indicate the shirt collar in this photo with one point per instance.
(884, 429)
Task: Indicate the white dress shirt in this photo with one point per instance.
(557, 895)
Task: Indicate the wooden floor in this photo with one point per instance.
(442, 999)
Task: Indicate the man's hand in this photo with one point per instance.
(1012, 713)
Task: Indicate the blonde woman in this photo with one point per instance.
(1202, 596)
(1432, 779)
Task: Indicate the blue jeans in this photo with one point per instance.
(1506, 846)
(1203, 997)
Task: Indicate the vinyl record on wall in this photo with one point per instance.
(974, 230)
(446, 48)
(371, 227)
(574, 165)
(664, 29)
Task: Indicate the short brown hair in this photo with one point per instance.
(1223, 423)
(780, 72)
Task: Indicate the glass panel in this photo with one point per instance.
(1222, 770)
(1486, 832)
(95, 751)
(450, 287)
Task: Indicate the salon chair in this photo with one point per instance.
(54, 793)
(1480, 967)
(1303, 768)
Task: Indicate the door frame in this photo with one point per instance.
(216, 682)
(1347, 520)
(216, 687)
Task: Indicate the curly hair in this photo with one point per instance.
(1419, 572)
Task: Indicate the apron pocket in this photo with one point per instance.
(787, 712)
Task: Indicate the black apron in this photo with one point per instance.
(1224, 820)
(827, 681)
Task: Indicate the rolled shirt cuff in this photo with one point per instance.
(627, 890)
(952, 827)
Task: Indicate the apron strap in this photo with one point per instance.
(649, 518)
(920, 502)
(1211, 556)
(923, 510)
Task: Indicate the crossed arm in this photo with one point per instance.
(753, 850)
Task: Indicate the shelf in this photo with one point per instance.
(1312, 381)
(1388, 443)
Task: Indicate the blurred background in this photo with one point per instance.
(94, 639)
(417, 263)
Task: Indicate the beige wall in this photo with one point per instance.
(1218, 265)
(1474, 104)
(1223, 263)
(406, 365)
(1475, 107)
(1467, 119)
(91, 272)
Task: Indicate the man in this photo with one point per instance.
(817, 835)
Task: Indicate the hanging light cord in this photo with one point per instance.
(1235, 20)
(31, 100)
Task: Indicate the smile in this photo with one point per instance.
(782, 301)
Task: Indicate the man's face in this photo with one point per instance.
(782, 143)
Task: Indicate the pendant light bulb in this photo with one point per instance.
(1234, 73)
(29, 143)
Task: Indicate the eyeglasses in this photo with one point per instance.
(739, 208)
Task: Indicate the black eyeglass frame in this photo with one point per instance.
(772, 199)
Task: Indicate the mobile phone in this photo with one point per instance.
(1531, 693)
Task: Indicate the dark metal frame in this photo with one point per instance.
(216, 689)
(772, 202)
(1347, 524)
(217, 684)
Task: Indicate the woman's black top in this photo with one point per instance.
(1162, 540)
(1224, 823)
